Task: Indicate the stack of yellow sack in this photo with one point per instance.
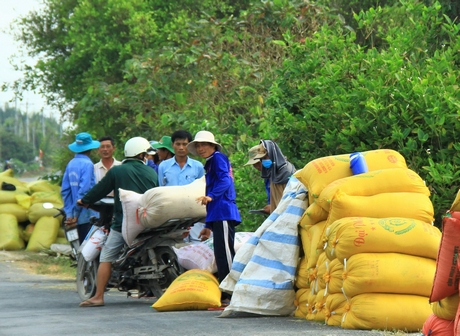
(373, 264)
(23, 220)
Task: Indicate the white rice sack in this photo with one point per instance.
(158, 205)
(201, 255)
(94, 244)
(241, 238)
(197, 256)
(131, 226)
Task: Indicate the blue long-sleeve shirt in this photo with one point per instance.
(78, 179)
(220, 187)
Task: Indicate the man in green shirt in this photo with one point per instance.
(132, 175)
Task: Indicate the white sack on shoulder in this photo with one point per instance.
(158, 205)
(130, 227)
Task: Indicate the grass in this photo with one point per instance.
(47, 263)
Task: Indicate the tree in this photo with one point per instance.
(348, 95)
(292, 71)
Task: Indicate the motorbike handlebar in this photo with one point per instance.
(102, 204)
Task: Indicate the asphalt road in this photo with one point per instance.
(41, 305)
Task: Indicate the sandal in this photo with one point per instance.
(88, 303)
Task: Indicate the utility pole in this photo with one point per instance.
(43, 122)
(27, 122)
(16, 117)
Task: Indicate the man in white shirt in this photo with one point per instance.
(107, 160)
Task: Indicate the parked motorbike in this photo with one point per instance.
(149, 266)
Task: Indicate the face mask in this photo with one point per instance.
(267, 163)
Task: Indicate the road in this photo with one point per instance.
(38, 305)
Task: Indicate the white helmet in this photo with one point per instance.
(135, 146)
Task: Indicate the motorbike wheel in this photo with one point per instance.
(86, 277)
(166, 256)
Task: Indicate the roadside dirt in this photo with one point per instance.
(22, 260)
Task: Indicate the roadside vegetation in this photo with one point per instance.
(319, 77)
(44, 263)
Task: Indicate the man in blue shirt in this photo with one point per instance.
(180, 169)
(78, 179)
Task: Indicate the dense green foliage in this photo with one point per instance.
(320, 78)
(403, 95)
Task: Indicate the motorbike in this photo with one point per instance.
(147, 267)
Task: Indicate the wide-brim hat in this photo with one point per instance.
(165, 142)
(202, 136)
(255, 154)
(83, 142)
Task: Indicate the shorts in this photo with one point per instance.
(112, 247)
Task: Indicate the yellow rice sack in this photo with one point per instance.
(9, 196)
(311, 308)
(302, 279)
(40, 185)
(10, 239)
(456, 204)
(28, 231)
(313, 215)
(61, 232)
(14, 181)
(193, 290)
(447, 307)
(301, 302)
(386, 312)
(388, 273)
(14, 209)
(335, 308)
(406, 205)
(61, 240)
(310, 238)
(9, 172)
(373, 183)
(46, 196)
(317, 174)
(320, 306)
(353, 235)
(333, 277)
(318, 283)
(23, 200)
(44, 234)
(325, 269)
(37, 211)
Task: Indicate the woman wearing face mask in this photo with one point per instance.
(268, 158)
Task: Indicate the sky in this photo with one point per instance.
(9, 11)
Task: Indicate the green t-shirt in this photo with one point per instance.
(132, 175)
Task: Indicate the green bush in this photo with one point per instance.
(334, 95)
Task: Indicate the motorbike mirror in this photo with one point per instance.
(48, 205)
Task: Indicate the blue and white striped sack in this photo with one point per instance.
(263, 271)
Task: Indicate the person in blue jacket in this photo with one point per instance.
(78, 179)
(222, 215)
